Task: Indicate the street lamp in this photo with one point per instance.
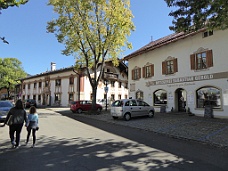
(108, 76)
(106, 92)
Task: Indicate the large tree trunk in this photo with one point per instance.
(94, 93)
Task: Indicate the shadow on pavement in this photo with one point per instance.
(81, 154)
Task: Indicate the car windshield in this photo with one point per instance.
(6, 104)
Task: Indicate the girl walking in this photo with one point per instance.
(32, 125)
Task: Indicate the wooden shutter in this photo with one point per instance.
(152, 70)
(193, 62)
(139, 73)
(175, 65)
(164, 68)
(209, 58)
(144, 72)
(133, 74)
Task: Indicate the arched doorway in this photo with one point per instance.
(181, 97)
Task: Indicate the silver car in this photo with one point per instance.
(128, 108)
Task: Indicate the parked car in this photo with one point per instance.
(128, 108)
(83, 105)
(5, 106)
(30, 102)
(102, 102)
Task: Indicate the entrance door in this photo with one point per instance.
(181, 99)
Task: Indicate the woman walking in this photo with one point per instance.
(17, 117)
(32, 125)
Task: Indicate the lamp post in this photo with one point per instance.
(108, 76)
(106, 92)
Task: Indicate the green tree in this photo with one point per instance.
(191, 15)
(4, 4)
(92, 31)
(10, 73)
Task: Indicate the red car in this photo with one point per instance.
(83, 105)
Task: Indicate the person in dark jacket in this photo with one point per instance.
(18, 117)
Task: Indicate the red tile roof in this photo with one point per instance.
(161, 42)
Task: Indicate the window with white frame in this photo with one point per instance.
(57, 97)
(58, 82)
(169, 66)
(71, 96)
(71, 80)
(136, 73)
(148, 70)
(201, 60)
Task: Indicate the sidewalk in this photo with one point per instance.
(205, 130)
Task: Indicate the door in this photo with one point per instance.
(143, 107)
(181, 99)
(134, 108)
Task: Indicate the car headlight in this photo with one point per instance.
(3, 113)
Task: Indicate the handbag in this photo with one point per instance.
(10, 120)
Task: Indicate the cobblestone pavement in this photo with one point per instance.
(206, 130)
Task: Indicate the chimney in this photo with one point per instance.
(53, 66)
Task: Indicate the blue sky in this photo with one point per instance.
(25, 30)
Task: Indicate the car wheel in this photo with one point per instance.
(115, 117)
(127, 116)
(151, 114)
(99, 109)
(79, 110)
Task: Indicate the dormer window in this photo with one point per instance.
(207, 33)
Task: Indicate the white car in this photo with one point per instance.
(102, 102)
(128, 108)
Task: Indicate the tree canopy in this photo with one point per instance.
(4, 4)
(10, 73)
(193, 15)
(92, 31)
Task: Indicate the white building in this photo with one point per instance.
(183, 72)
(60, 87)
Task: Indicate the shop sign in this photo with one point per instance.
(188, 79)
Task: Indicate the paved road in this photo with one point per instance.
(68, 144)
(177, 125)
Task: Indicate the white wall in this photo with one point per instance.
(182, 50)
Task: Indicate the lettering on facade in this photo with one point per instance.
(187, 79)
